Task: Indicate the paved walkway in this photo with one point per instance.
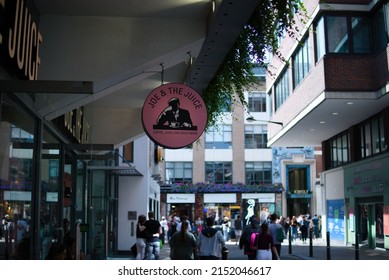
(300, 251)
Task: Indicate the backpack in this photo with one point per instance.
(253, 238)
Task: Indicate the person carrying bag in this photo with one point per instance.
(265, 244)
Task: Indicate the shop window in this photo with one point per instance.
(298, 179)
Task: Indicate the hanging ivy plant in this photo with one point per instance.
(260, 36)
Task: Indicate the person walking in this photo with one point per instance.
(276, 230)
(265, 244)
(238, 226)
(226, 224)
(141, 236)
(244, 241)
(210, 241)
(294, 225)
(315, 223)
(165, 228)
(183, 243)
(154, 230)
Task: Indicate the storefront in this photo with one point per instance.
(367, 202)
(44, 180)
(181, 204)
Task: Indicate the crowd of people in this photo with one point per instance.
(261, 238)
(187, 241)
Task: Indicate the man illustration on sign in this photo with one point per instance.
(174, 116)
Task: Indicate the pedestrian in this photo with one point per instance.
(165, 228)
(304, 229)
(141, 236)
(315, 225)
(238, 226)
(277, 232)
(244, 241)
(294, 225)
(265, 244)
(226, 224)
(210, 241)
(183, 243)
(154, 230)
(179, 224)
(172, 226)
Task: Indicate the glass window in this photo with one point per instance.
(320, 39)
(367, 138)
(258, 173)
(338, 40)
(282, 89)
(255, 136)
(178, 172)
(298, 179)
(361, 34)
(340, 150)
(344, 34)
(219, 137)
(372, 137)
(17, 174)
(257, 102)
(380, 34)
(301, 62)
(218, 172)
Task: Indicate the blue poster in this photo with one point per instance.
(335, 219)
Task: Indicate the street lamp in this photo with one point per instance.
(252, 119)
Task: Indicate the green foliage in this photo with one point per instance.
(260, 36)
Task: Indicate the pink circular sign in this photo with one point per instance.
(174, 115)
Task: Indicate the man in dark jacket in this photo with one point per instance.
(210, 241)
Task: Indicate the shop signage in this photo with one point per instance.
(366, 178)
(219, 198)
(17, 196)
(74, 124)
(174, 115)
(180, 198)
(20, 38)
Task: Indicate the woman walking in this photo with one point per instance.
(265, 244)
(183, 243)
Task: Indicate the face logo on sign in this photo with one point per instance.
(174, 115)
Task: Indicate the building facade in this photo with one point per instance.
(232, 171)
(333, 94)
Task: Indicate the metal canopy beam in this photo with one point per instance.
(39, 86)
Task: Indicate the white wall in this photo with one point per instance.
(134, 193)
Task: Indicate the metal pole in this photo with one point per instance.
(311, 242)
(290, 240)
(357, 246)
(328, 246)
